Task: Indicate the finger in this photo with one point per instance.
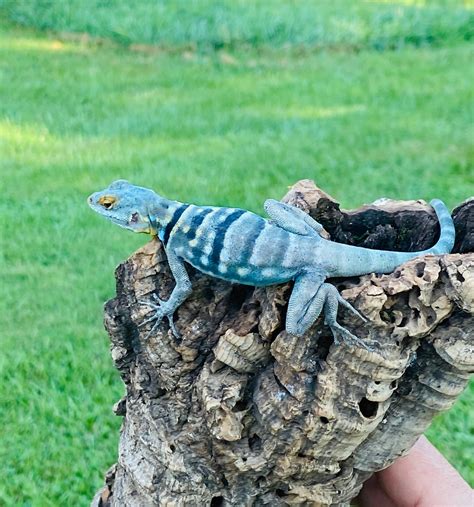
(424, 478)
(372, 495)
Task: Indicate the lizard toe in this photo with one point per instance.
(148, 303)
(349, 338)
(350, 307)
(174, 331)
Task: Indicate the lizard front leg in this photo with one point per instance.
(310, 296)
(179, 294)
(293, 219)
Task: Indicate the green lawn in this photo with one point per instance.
(210, 24)
(223, 127)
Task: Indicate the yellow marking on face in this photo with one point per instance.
(107, 201)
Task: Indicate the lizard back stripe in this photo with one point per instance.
(169, 226)
(251, 240)
(196, 221)
(264, 255)
(218, 244)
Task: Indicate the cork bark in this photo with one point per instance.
(239, 413)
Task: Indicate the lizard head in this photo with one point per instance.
(126, 205)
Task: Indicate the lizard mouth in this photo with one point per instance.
(137, 223)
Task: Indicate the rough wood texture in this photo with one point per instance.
(240, 413)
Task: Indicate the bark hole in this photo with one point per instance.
(420, 269)
(255, 443)
(368, 408)
(388, 316)
(323, 347)
(207, 294)
(238, 296)
(240, 406)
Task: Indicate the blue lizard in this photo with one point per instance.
(242, 247)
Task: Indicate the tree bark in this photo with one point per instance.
(240, 413)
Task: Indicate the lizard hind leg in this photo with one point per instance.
(310, 296)
(305, 304)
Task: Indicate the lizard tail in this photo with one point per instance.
(445, 242)
(352, 261)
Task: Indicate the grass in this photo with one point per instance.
(232, 23)
(224, 127)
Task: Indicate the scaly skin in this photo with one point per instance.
(242, 247)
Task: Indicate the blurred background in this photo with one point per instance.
(213, 102)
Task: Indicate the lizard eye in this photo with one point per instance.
(107, 201)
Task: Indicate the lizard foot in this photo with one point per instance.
(346, 336)
(160, 313)
(331, 303)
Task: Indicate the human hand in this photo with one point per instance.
(423, 478)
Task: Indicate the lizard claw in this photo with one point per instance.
(175, 332)
(155, 325)
(351, 340)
